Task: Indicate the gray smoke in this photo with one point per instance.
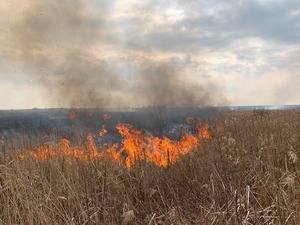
(164, 84)
(57, 40)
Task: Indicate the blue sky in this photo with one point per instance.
(77, 53)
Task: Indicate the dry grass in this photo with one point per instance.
(248, 173)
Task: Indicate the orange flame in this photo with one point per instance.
(203, 132)
(72, 115)
(136, 147)
(103, 131)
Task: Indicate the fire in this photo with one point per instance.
(72, 115)
(103, 131)
(106, 117)
(136, 147)
(203, 132)
(160, 151)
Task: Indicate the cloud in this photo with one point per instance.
(216, 25)
(21, 95)
(133, 53)
(271, 88)
(53, 44)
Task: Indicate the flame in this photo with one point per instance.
(103, 131)
(106, 117)
(72, 115)
(203, 132)
(136, 147)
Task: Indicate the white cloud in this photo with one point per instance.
(273, 88)
(22, 95)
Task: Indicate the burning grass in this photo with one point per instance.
(136, 146)
(247, 172)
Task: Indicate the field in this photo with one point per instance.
(247, 172)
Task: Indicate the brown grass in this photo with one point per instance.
(248, 173)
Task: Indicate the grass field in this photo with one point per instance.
(246, 173)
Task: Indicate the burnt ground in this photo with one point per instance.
(53, 124)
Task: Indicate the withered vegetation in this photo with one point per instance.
(247, 173)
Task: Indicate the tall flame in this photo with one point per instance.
(136, 147)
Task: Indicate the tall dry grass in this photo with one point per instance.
(248, 173)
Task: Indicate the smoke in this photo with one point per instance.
(54, 38)
(61, 44)
(164, 84)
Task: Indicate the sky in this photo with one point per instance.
(76, 53)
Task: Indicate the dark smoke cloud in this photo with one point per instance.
(55, 38)
(68, 23)
(164, 84)
(86, 81)
(52, 36)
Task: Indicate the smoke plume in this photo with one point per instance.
(65, 45)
